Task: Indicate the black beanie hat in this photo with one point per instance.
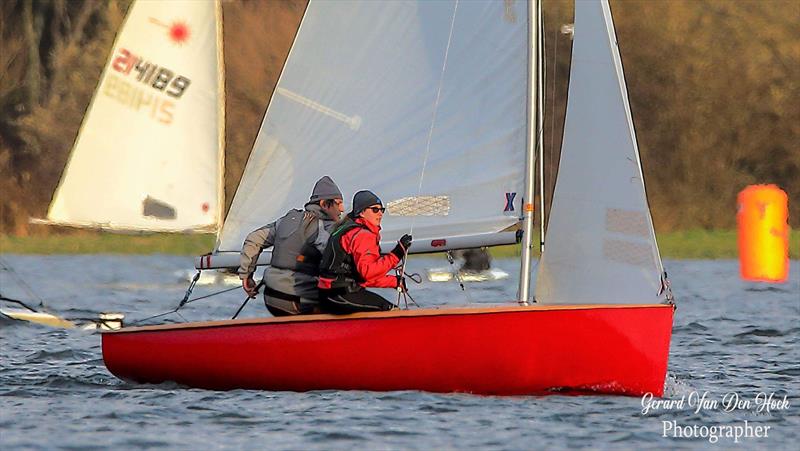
(364, 199)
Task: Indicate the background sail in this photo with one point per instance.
(600, 242)
(356, 101)
(149, 153)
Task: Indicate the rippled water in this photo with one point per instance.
(730, 337)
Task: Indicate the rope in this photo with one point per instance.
(182, 303)
(430, 130)
(436, 105)
(21, 282)
(401, 292)
(17, 301)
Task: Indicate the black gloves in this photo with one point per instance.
(402, 246)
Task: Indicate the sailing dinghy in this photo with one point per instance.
(434, 105)
(149, 153)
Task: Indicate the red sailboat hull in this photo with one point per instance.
(495, 351)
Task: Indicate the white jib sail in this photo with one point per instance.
(601, 246)
(374, 91)
(149, 152)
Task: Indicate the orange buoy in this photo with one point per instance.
(763, 213)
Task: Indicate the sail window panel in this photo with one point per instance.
(419, 206)
(627, 222)
(158, 209)
(357, 100)
(152, 130)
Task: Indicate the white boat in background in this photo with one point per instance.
(149, 153)
(105, 321)
(446, 275)
(149, 156)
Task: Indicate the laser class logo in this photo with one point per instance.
(178, 32)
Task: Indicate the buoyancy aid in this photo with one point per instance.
(338, 269)
(294, 247)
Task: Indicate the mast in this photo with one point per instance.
(220, 115)
(534, 17)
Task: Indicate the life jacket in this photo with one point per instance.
(338, 269)
(294, 248)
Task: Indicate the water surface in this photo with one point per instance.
(729, 337)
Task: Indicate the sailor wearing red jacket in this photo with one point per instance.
(352, 261)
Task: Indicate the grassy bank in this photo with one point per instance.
(108, 243)
(704, 244)
(689, 244)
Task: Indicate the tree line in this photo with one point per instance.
(712, 85)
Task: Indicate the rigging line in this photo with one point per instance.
(175, 310)
(436, 107)
(550, 160)
(21, 282)
(213, 294)
(433, 124)
(18, 302)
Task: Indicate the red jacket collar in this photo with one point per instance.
(372, 228)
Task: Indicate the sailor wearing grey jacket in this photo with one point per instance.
(297, 240)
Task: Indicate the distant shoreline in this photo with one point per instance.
(691, 244)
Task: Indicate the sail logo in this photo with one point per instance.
(509, 201)
(178, 32)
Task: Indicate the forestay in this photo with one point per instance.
(149, 152)
(601, 246)
(372, 93)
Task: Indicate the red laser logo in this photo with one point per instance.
(178, 31)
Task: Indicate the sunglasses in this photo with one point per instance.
(377, 209)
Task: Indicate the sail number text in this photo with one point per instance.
(151, 74)
(126, 91)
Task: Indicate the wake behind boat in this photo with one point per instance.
(430, 93)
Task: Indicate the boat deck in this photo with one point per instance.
(428, 312)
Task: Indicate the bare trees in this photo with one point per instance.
(712, 83)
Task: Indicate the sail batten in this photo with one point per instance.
(356, 99)
(148, 155)
(601, 242)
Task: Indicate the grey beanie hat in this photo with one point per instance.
(364, 199)
(325, 189)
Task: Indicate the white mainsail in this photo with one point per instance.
(149, 152)
(601, 246)
(422, 102)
